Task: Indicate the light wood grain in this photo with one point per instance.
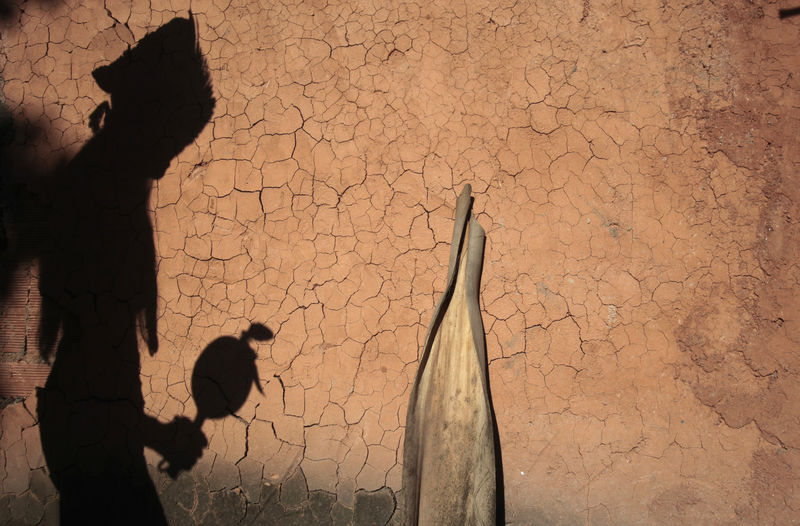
(449, 457)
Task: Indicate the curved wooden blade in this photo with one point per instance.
(449, 458)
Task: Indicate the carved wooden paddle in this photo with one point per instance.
(449, 474)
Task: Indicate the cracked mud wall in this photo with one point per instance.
(634, 165)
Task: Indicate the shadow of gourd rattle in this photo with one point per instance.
(221, 382)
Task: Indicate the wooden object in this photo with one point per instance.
(449, 474)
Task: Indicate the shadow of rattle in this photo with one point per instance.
(221, 382)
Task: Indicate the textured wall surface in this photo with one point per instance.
(635, 167)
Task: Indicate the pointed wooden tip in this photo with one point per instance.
(464, 199)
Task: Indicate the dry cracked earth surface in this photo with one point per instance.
(634, 164)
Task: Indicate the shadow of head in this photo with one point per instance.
(99, 233)
(160, 92)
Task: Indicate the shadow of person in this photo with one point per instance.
(97, 278)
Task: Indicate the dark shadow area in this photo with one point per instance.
(498, 463)
(786, 13)
(11, 9)
(88, 226)
(21, 211)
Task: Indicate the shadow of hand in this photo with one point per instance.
(186, 448)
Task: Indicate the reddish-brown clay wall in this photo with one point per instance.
(634, 165)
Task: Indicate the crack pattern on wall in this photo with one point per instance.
(634, 167)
